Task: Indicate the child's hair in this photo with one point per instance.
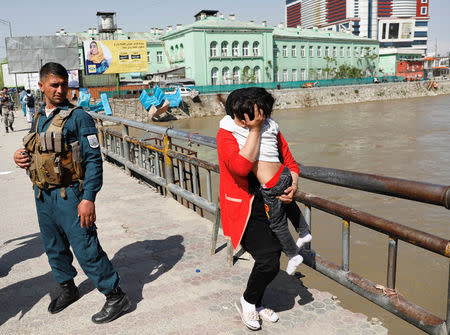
(242, 101)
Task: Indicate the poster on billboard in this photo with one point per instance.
(115, 56)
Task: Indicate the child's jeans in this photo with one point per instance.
(277, 213)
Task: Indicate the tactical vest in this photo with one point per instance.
(54, 164)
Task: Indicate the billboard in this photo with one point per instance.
(27, 54)
(115, 56)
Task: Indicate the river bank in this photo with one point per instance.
(208, 104)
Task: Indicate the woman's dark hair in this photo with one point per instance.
(53, 68)
(242, 101)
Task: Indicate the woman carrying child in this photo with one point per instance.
(258, 179)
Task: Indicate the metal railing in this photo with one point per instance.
(177, 171)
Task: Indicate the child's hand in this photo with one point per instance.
(257, 122)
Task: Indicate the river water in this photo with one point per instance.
(407, 139)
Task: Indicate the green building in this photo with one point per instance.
(215, 50)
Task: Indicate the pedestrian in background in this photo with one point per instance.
(7, 107)
(30, 105)
(24, 106)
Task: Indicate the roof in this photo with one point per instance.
(213, 22)
(207, 12)
(317, 33)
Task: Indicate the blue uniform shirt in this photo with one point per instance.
(77, 128)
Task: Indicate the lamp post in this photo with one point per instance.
(15, 75)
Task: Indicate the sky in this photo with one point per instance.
(33, 18)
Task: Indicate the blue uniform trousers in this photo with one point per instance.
(60, 228)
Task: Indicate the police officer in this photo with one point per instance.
(63, 160)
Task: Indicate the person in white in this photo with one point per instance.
(30, 103)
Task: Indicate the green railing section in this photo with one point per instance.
(269, 86)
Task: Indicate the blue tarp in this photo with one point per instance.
(156, 99)
(106, 105)
(174, 99)
(83, 99)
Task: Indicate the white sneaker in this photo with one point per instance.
(293, 263)
(267, 314)
(249, 318)
(303, 240)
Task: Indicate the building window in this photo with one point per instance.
(257, 72)
(341, 52)
(214, 76)
(236, 75)
(294, 51)
(275, 76)
(361, 52)
(224, 49)
(423, 10)
(303, 51)
(319, 51)
(349, 52)
(311, 51)
(255, 49)
(355, 52)
(275, 50)
(285, 75)
(235, 49)
(319, 74)
(213, 49)
(302, 74)
(284, 50)
(246, 75)
(159, 58)
(424, 1)
(334, 52)
(311, 74)
(294, 75)
(327, 51)
(245, 49)
(226, 80)
(148, 56)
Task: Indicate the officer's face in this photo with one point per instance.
(55, 90)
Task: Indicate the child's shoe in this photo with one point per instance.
(267, 314)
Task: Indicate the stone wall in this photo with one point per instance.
(208, 104)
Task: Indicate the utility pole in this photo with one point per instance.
(15, 75)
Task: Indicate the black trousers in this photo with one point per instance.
(260, 242)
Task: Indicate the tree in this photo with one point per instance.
(330, 69)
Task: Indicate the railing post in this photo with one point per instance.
(168, 162)
(125, 147)
(345, 245)
(308, 222)
(215, 230)
(101, 136)
(448, 303)
(392, 262)
(208, 186)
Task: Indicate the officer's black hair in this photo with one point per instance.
(53, 68)
(242, 101)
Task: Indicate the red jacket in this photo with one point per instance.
(235, 199)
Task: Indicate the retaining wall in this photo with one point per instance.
(208, 104)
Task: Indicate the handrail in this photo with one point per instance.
(400, 188)
(136, 156)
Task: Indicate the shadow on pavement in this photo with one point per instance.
(283, 291)
(141, 263)
(28, 248)
(138, 264)
(22, 296)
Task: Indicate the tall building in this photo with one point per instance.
(397, 24)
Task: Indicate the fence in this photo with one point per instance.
(270, 86)
(177, 171)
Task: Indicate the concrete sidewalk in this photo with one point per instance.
(161, 250)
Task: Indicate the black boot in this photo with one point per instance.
(117, 303)
(68, 295)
